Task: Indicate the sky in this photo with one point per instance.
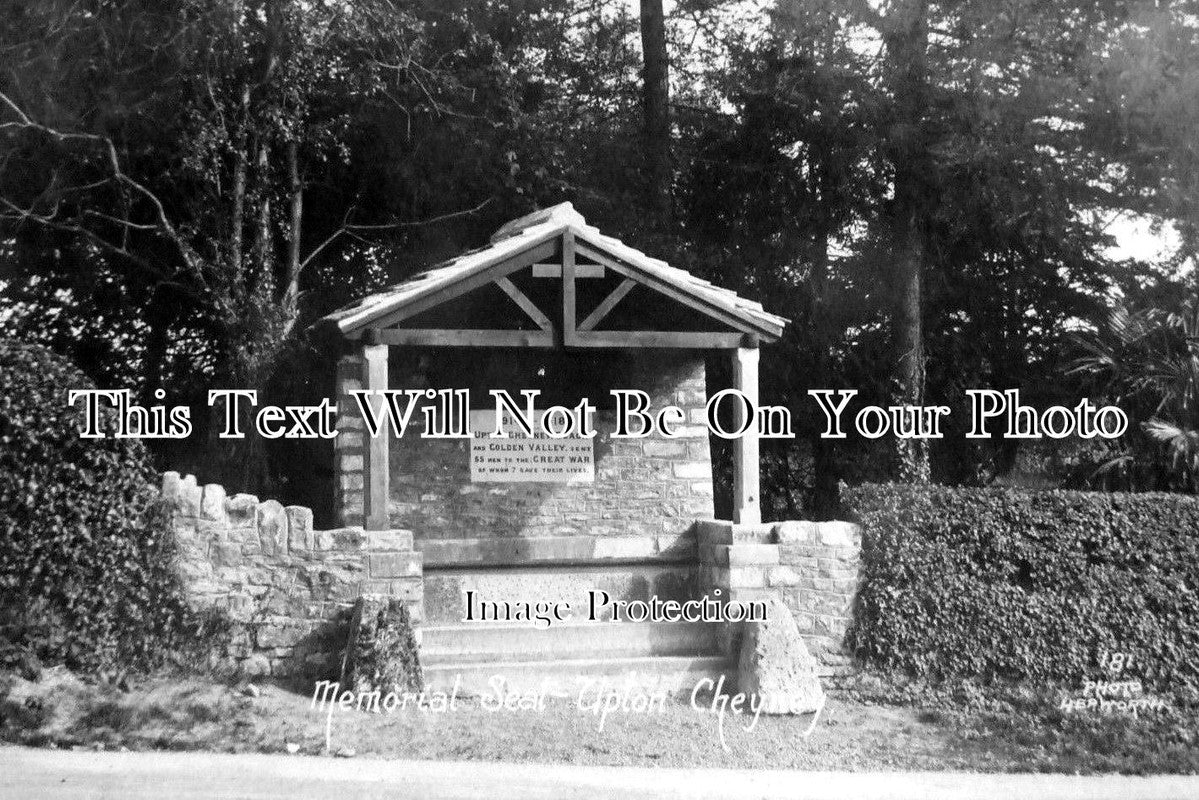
(1135, 238)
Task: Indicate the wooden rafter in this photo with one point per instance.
(606, 305)
(500, 269)
(660, 285)
(526, 305)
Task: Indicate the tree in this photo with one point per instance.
(1142, 115)
(916, 184)
(172, 147)
(905, 33)
(955, 190)
(768, 198)
(656, 98)
(1148, 362)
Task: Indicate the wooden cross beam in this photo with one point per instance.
(581, 270)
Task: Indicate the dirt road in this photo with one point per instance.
(31, 774)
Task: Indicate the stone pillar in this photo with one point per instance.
(376, 472)
(747, 507)
(818, 578)
(734, 559)
(349, 446)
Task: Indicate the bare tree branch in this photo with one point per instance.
(100, 242)
(137, 226)
(423, 222)
(164, 225)
(347, 229)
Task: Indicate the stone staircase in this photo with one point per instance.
(568, 656)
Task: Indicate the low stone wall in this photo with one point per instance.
(287, 588)
(811, 567)
(818, 576)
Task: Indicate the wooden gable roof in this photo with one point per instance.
(561, 235)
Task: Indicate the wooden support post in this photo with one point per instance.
(376, 470)
(747, 507)
(569, 317)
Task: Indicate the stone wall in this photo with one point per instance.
(287, 588)
(643, 487)
(818, 576)
(814, 568)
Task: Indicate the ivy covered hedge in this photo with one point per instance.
(85, 562)
(1039, 586)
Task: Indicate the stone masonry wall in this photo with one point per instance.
(288, 589)
(811, 567)
(818, 577)
(643, 487)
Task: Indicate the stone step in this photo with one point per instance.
(445, 589)
(556, 550)
(568, 678)
(495, 642)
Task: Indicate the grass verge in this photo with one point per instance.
(868, 726)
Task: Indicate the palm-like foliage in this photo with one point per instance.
(1149, 360)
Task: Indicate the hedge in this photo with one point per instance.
(86, 575)
(1032, 586)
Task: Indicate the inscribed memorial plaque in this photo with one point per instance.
(521, 458)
